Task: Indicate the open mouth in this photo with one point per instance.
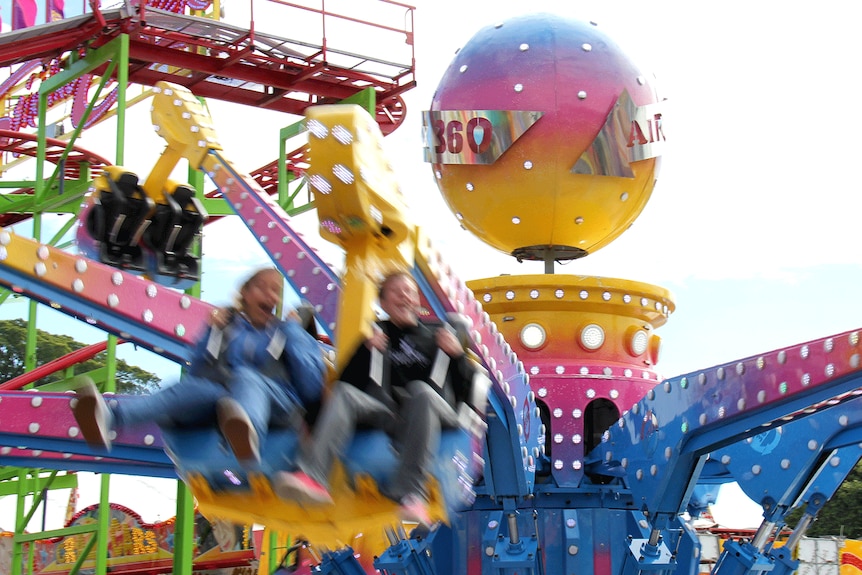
(264, 310)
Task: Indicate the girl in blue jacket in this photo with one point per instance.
(250, 368)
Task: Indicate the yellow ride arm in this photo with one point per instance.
(360, 208)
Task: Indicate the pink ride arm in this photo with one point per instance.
(134, 308)
(38, 429)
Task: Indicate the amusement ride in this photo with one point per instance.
(574, 455)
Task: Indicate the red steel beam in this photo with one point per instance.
(68, 360)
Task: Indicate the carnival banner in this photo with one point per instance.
(23, 14)
(221, 548)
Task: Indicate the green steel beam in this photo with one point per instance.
(46, 88)
(24, 487)
(67, 481)
(30, 343)
(216, 206)
(66, 532)
(122, 84)
(103, 526)
(98, 375)
(67, 202)
(284, 135)
(38, 497)
(15, 184)
(184, 531)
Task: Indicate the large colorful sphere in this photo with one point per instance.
(544, 137)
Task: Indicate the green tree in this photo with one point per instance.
(842, 514)
(13, 336)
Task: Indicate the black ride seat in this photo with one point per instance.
(120, 219)
(176, 222)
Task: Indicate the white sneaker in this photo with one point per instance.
(237, 429)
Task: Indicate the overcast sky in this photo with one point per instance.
(753, 224)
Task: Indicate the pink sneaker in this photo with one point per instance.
(300, 487)
(415, 510)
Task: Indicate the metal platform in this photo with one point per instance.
(224, 61)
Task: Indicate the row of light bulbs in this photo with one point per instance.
(591, 337)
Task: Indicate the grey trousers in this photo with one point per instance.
(416, 428)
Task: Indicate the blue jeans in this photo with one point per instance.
(192, 402)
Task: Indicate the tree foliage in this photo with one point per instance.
(842, 514)
(130, 379)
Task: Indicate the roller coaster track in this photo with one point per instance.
(74, 163)
(222, 61)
